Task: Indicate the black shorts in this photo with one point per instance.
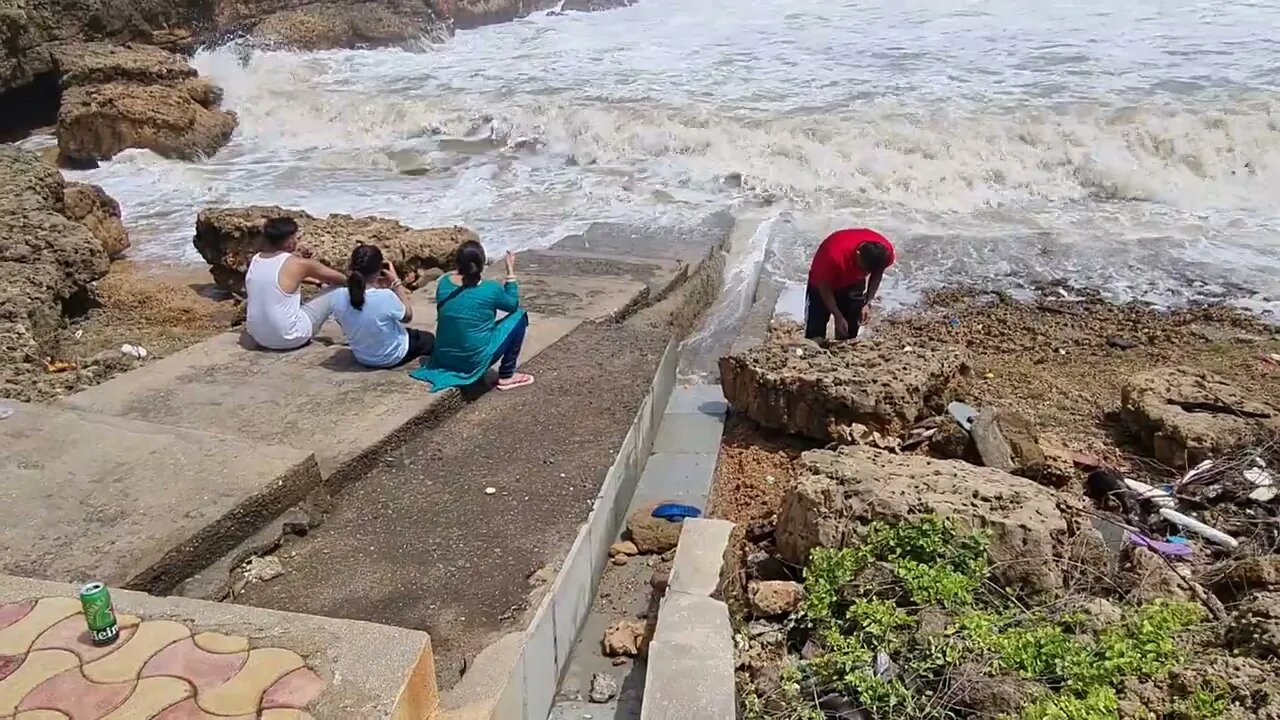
(849, 300)
(420, 344)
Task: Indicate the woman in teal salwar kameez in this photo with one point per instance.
(469, 336)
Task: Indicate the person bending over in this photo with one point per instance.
(373, 312)
(844, 278)
(469, 336)
(276, 318)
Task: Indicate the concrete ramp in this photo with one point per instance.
(132, 503)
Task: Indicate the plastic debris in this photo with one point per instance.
(1153, 495)
(1263, 481)
(1199, 528)
(133, 351)
(1168, 549)
(6, 413)
(964, 414)
(1195, 471)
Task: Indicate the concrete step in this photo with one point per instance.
(94, 497)
(180, 657)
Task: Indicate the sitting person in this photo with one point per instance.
(469, 336)
(276, 318)
(373, 311)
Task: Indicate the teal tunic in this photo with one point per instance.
(468, 333)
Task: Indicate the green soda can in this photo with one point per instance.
(98, 613)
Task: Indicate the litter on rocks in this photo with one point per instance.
(134, 351)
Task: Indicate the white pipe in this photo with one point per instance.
(1199, 528)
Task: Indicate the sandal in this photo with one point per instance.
(515, 381)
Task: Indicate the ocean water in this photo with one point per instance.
(1128, 147)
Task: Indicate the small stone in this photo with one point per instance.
(620, 560)
(490, 490)
(668, 556)
(626, 547)
(263, 568)
(629, 637)
(1120, 343)
(603, 688)
(770, 598)
(660, 580)
(618, 661)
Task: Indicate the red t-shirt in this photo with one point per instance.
(836, 261)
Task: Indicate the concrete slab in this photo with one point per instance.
(700, 557)
(133, 503)
(687, 243)
(361, 670)
(704, 399)
(689, 433)
(316, 398)
(690, 672)
(682, 477)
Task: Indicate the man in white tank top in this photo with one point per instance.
(276, 316)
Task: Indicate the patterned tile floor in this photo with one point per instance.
(157, 670)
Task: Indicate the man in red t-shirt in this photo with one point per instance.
(844, 278)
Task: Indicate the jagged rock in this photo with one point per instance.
(628, 638)
(952, 442)
(597, 6)
(228, 237)
(796, 386)
(603, 688)
(92, 207)
(1185, 415)
(653, 535)
(1254, 629)
(770, 598)
(1148, 577)
(46, 259)
(1248, 575)
(1007, 441)
(840, 491)
(624, 547)
(135, 96)
(327, 26)
(473, 13)
(764, 566)
(986, 696)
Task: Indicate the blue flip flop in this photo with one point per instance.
(675, 512)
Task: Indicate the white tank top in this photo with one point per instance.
(274, 318)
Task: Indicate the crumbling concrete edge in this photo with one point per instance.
(526, 678)
(373, 672)
(691, 659)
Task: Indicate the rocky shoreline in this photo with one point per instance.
(893, 561)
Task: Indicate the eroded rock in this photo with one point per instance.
(770, 598)
(1255, 627)
(1248, 575)
(228, 237)
(328, 26)
(46, 259)
(799, 387)
(92, 207)
(1185, 415)
(652, 535)
(627, 638)
(596, 6)
(136, 96)
(841, 491)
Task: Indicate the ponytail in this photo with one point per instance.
(355, 290)
(366, 263)
(470, 263)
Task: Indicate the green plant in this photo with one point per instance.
(1208, 701)
(935, 566)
